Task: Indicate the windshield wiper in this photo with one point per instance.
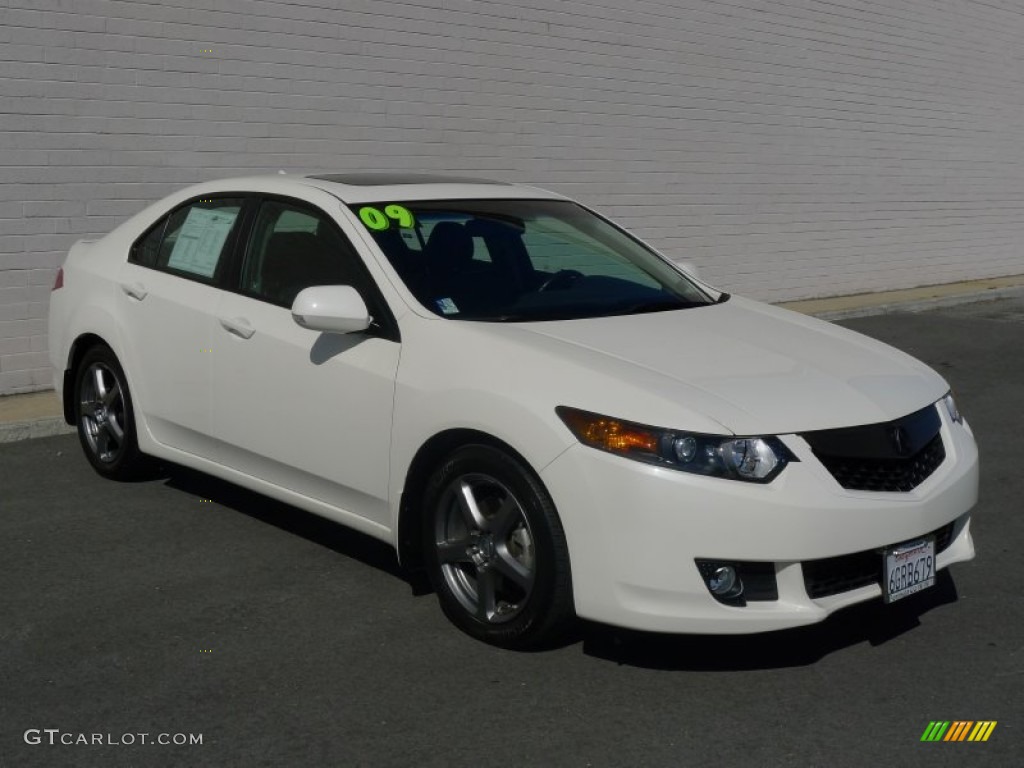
(580, 313)
(657, 305)
(520, 317)
(723, 297)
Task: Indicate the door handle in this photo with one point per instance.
(237, 325)
(135, 290)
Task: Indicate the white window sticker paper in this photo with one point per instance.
(201, 240)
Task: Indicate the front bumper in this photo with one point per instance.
(634, 532)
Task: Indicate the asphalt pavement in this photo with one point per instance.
(185, 605)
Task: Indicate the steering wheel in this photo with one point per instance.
(563, 278)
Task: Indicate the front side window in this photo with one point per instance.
(517, 260)
(295, 247)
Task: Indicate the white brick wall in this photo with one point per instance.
(790, 148)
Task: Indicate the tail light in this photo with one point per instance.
(59, 281)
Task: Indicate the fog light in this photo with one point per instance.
(722, 580)
(738, 582)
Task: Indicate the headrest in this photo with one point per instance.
(450, 245)
(293, 244)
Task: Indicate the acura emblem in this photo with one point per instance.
(898, 435)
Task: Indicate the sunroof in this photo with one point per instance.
(383, 179)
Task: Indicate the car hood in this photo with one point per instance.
(750, 367)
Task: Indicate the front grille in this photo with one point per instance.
(894, 475)
(833, 575)
(895, 456)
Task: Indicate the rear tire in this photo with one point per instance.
(495, 550)
(104, 416)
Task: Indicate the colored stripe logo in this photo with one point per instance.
(959, 730)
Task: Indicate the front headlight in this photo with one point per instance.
(753, 459)
(954, 412)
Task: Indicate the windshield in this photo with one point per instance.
(519, 260)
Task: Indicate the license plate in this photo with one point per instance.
(909, 568)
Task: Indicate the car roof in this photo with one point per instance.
(355, 188)
(361, 187)
(390, 179)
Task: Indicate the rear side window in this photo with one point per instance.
(193, 240)
(146, 250)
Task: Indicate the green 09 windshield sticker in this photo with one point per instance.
(378, 220)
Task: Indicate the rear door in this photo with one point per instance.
(307, 411)
(167, 293)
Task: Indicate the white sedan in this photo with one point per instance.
(529, 403)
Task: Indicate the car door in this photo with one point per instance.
(307, 411)
(167, 292)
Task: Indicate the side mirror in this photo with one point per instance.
(331, 309)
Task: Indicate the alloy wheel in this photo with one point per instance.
(485, 547)
(102, 412)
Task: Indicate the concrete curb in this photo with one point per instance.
(922, 305)
(13, 431)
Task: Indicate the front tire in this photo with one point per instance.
(105, 417)
(495, 550)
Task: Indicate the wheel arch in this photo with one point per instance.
(423, 464)
(82, 344)
(88, 323)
